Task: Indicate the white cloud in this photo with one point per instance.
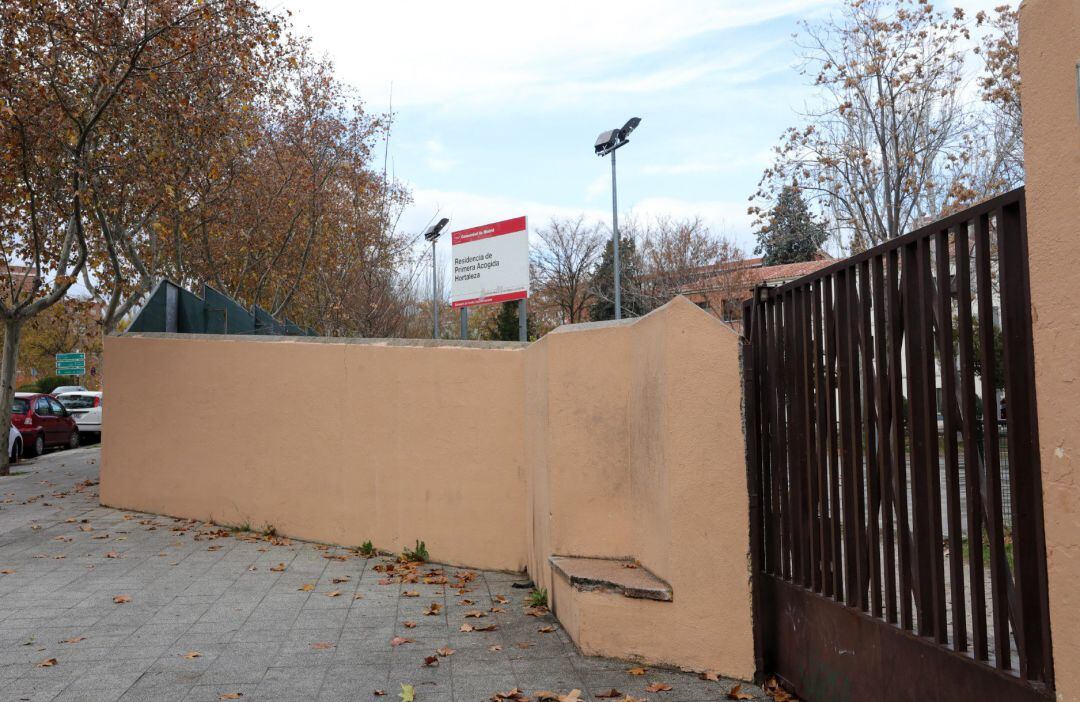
(440, 52)
(436, 158)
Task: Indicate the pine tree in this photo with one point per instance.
(505, 326)
(602, 285)
(790, 234)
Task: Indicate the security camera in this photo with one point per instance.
(631, 125)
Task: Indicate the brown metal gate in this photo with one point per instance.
(896, 499)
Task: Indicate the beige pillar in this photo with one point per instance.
(1049, 53)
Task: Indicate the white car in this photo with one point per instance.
(62, 389)
(14, 444)
(85, 408)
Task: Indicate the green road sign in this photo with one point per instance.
(70, 357)
(70, 369)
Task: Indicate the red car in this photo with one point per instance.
(43, 422)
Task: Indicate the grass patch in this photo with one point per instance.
(417, 554)
(368, 550)
(538, 598)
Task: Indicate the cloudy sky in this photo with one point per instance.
(498, 103)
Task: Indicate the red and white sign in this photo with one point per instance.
(491, 263)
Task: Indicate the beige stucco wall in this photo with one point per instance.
(1049, 53)
(333, 442)
(641, 454)
(610, 440)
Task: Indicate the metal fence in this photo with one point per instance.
(171, 308)
(880, 477)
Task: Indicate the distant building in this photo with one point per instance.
(722, 289)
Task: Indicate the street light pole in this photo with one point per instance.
(432, 235)
(434, 294)
(607, 143)
(615, 238)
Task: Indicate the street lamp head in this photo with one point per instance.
(614, 138)
(631, 125)
(432, 233)
(607, 142)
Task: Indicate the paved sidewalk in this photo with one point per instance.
(102, 604)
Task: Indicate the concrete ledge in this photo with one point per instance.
(622, 576)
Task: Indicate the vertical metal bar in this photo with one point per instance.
(795, 440)
(884, 410)
(523, 320)
(812, 556)
(952, 460)
(1029, 547)
(999, 572)
(858, 492)
(972, 472)
(465, 322)
(764, 355)
(847, 439)
(822, 443)
(916, 370)
(776, 461)
(751, 390)
(933, 467)
(836, 550)
(783, 388)
(869, 416)
(897, 316)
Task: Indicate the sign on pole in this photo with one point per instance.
(491, 263)
(71, 364)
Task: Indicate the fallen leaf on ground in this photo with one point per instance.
(399, 640)
(334, 593)
(230, 695)
(7, 571)
(489, 627)
(495, 648)
(74, 640)
(306, 587)
(501, 599)
(358, 597)
(546, 629)
(380, 693)
(190, 655)
(445, 651)
(338, 580)
(408, 693)
(736, 693)
(112, 554)
(431, 660)
(610, 694)
(278, 568)
(515, 695)
(410, 593)
(433, 609)
(323, 645)
(658, 687)
(409, 625)
(637, 671)
(466, 628)
(47, 663)
(475, 614)
(710, 675)
(122, 599)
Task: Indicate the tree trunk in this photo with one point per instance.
(10, 357)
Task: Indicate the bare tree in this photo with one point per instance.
(677, 253)
(563, 263)
(875, 153)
